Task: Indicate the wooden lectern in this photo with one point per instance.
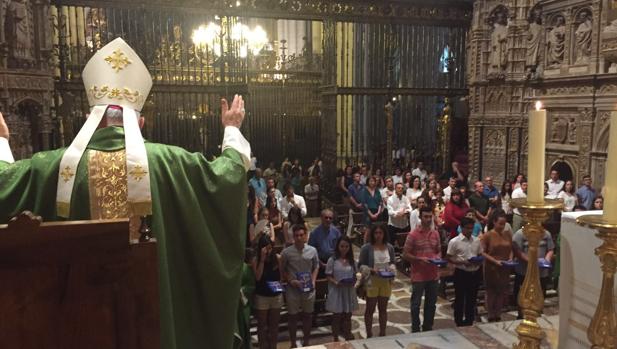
(76, 285)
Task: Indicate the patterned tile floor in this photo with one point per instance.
(445, 334)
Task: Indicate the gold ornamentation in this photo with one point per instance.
(603, 326)
(115, 93)
(138, 173)
(530, 298)
(67, 174)
(118, 60)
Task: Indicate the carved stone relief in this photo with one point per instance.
(559, 128)
(556, 42)
(498, 49)
(534, 40)
(582, 37)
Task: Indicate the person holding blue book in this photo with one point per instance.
(300, 265)
(342, 299)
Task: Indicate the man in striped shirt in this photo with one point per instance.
(422, 245)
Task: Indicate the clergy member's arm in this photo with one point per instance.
(6, 156)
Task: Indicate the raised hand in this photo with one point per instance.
(4, 129)
(235, 115)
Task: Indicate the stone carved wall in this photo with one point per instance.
(26, 83)
(563, 53)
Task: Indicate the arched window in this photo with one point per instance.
(443, 60)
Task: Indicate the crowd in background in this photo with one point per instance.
(413, 217)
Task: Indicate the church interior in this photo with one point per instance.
(364, 115)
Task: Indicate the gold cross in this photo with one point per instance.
(118, 60)
(67, 174)
(138, 173)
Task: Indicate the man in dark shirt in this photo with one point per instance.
(479, 202)
(356, 190)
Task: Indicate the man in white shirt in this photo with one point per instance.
(467, 276)
(399, 208)
(397, 178)
(291, 200)
(414, 216)
(555, 185)
(263, 197)
(420, 171)
(518, 193)
(447, 192)
(387, 191)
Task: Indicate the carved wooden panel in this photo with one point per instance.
(494, 159)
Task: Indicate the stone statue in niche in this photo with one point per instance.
(17, 30)
(560, 130)
(498, 45)
(556, 43)
(534, 40)
(572, 131)
(583, 38)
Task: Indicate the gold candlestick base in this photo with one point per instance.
(602, 329)
(531, 296)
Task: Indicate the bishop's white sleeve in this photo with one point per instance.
(5, 151)
(233, 138)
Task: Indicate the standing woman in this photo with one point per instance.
(497, 246)
(342, 299)
(252, 211)
(407, 179)
(372, 201)
(568, 196)
(414, 192)
(506, 197)
(377, 255)
(346, 181)
(294, 217)
(598, 204)
(380, 182)
(276, 218)
(520, 178)
(268, 302)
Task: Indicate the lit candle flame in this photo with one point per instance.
(538, 105)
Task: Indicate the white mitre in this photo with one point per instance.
(115, 75)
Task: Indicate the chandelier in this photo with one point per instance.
(212, 36)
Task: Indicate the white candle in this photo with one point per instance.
(610, 177)
(535, 154)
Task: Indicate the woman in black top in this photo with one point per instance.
(268, 301)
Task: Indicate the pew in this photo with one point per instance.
(75, 285)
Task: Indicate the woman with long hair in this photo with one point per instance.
(598, 203)
(497, 246)
(276, 217)
(414, 192)
(377, 255)
(342, 299)
(252, 212)
(568, 196)
(407, 179)
(294, 217)
(372, 201)
(518, 179)
(268, 300)
(506, 196)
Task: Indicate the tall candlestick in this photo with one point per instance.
(610, 178)
(535, 154)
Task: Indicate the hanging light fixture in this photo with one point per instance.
(246, 39)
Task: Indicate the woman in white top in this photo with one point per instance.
(568, 196)
(517, 181)
(506, 197)
(415, 191)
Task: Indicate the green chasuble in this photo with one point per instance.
(198, 219)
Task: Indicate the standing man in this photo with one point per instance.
(555, 185)
(324, 237)
(270, 171)
(151, 183)
(546, 250)
(356, 192)
(447, 192)
(399, 208)
(479, 202)
(518, 193)
(397, 178)
(291, 200)
(466, 273)
(311, 195)
(259, 184)
(300, 265)
(420, 171)
(586, 193)
(422, 245)
(270, 185)
(491, 192)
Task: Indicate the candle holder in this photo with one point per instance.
(603, 326)
(531, 296)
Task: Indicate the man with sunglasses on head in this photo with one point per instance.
(324, 237)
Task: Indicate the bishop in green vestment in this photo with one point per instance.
(197, 214)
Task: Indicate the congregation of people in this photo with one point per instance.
(465, 233)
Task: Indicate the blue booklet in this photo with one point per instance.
(509, 264)
(386, 274)
(275, 286)
(476, 259)
(439, 262)
(544, 264)
(305, 278)
(348, 281)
